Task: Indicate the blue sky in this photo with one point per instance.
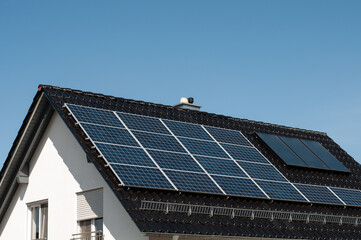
(294, 63)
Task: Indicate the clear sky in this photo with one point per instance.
(294, 63)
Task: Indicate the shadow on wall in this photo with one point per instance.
(88, 177)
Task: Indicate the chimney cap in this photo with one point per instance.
(187, 103)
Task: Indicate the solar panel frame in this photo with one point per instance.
(276, 190)
(304, 153)
(331, 161)
(351, 197)
(187, 130)
(109, 134)
(141, 176)
(244, 153)
(203, 148)
(142, 123)
(262, 171)
(223, 135)
(319, 194)
(281, 149)
(220, 166)
(110, 120)
(169, 160)
(193, 182)
(125, 155)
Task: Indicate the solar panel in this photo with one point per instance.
(220, 166)
(141, 176)
(325, 155)
(165, 162)
(177, 161)
(262, 171)
(304, 153)
(281, 149)
(204, 148)
(125, 155)
(187, 130)
(280, 190)
(244, 153)
(96, 116)
(194, 182)
(239, 186)
(141, 123)
(349, 196)
(228, 136)
(320, 194)
(109, 135)
(158, 141)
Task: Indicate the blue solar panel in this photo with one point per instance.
(244, 153)
(141, 177)
(228, 136)
(125, 155)
(280, 190)
(187, 130)
(325, 155)
(109, 135)
(320, 194)
(262, 171)
(148, 124)
(349, 196)
(194, 182)
(239, 186)
(96, 116)
(220, 166)
(281, 149)
(304, 153)
(205, 148)
(158, 141)
(175, 161)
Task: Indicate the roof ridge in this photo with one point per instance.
(111, 97)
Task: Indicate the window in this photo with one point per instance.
(91, 229)
(90, 215)
(39, 221)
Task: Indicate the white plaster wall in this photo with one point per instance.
(58, 170)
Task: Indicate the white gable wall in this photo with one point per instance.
(58, 170)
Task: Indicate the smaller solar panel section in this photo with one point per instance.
(194, 182)
(244, 153)
(109, 135)
(204, 148)
(177, 161)
(325, 155)
(320, 194)
(262, 171)
(280, 190)
(141, 123)
(141, 176)
(220, 166)
(228, 136)
(304, 153)
(281, 149)
(125, 155)
(158, 141)
(189, 130)
(349, 196)
(239, 186)
(96, 116)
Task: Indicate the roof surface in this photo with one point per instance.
(153, 221)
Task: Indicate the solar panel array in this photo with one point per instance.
(164, 154)
(302, 152)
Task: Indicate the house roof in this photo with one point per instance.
(153, 210)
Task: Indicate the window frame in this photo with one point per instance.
(31, 208)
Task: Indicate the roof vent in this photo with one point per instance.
(187, 103)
